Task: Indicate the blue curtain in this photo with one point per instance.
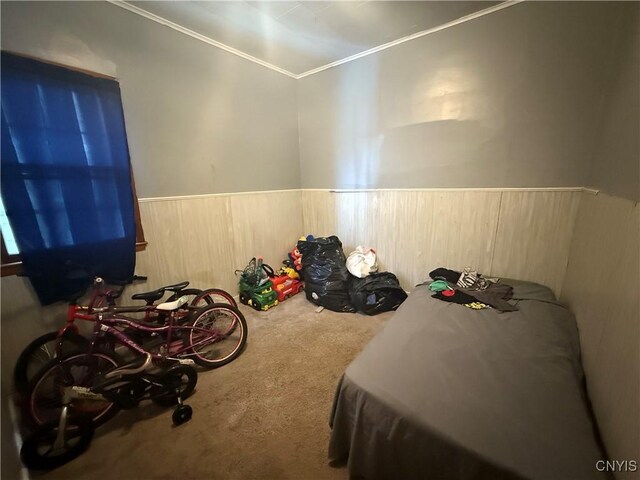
(66, 176)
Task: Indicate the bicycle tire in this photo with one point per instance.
(78, 436)
(181, 377)
(214, 295)
(38, 353)
(206, 318)
(206, 297)
(43, 401)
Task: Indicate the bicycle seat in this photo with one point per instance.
(149, 297)
(168, 306)
(176, 287)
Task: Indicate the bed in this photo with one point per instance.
(446, 392)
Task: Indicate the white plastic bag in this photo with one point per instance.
(362, 261)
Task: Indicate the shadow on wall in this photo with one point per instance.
(446, 128)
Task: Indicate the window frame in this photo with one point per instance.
(11, 264)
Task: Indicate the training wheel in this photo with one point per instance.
(182, 414)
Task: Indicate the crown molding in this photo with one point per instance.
(198, 36)
(413, 36)
(203, 38)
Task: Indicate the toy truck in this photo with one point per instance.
(261, 297)
(287, 284)
(256, 290)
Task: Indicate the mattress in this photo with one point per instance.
(447, 392)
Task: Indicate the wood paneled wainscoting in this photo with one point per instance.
(517, 233)
(206, 238)
(602, 287)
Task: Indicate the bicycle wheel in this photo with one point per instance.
(82, 369)
(40, 452)
(178, 381)
(219, 333)
(213, 295)
(40, 352)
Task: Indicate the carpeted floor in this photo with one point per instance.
(264, 416)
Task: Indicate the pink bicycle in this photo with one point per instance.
(214, 336)
(44, 348)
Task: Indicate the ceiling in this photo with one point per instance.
(302, 36)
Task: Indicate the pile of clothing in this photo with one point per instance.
(471, 289)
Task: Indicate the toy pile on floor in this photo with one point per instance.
(331, 280)
(262, 288)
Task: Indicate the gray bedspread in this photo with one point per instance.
(446, 392)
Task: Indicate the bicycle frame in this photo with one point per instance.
(108, 326)
(97, 393)
(88, 312)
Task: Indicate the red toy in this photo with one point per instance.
(287, 283)
(296, 258)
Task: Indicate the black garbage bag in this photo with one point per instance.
(325, 273)
(376, 293)
(323, 295)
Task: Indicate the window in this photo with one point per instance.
(64, 150)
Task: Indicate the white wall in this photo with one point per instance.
(511, 99)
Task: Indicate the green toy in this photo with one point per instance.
(256, 290)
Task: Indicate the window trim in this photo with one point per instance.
(11, 264)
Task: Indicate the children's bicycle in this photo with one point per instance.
(60, 440)
(214, 336)
(44, 348)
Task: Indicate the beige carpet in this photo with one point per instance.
(264, 416)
